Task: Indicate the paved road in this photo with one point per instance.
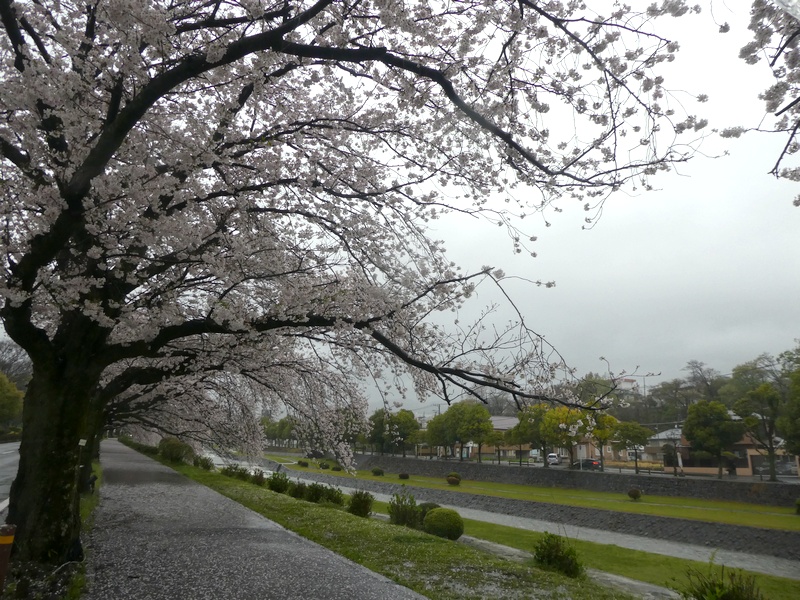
(9, 460)
(160, 536)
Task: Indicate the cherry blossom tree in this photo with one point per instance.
(776, 42)
(259, 176)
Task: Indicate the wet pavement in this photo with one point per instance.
(160, 536)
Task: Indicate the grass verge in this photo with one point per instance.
(657, 569)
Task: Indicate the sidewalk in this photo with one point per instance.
(160, 536)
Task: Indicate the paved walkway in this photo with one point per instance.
(160, 536)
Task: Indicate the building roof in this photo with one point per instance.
(668, 435)
(503, 423)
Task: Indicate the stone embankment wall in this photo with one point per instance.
(767, 493)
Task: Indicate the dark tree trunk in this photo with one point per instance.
(44, 498)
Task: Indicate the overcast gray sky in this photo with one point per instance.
(705, 268)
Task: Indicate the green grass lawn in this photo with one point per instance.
(714, 511)
(665, 571)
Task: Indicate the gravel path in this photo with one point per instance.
(160, 536)
(761, 550)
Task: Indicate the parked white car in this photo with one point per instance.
(553, 459)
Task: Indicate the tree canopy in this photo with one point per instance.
(709, 428)
(202, 197)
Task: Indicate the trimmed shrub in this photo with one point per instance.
(229, 470)
(377, 471)
(258, 477)
(235, 471)
(297, 489)
(453, 479)
(797, 506)
(360, 503)
(333, 495)
(203, 462)
(302, 463)
(336, 468)
(315, 492)
(715, 585)
(403, 510)
(443, 522)
(174, 450)
(403, 475)
(634, 494)
(424, 508)
(324, 466)
(278, 482)
(554, 553)
(454, 475)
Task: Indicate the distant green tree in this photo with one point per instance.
(562, 427)
(528, 431)
(709, 428)
(631, 435)
(593, 389)
(403, 425)
(674, 397)
(759, 392)
(467, 421)
(789, 422)
(706, 381)
(475, 425)
(10, 401)
(281, 432)
(760, 410)
(439, 434)
(378, 434)
(604, 428)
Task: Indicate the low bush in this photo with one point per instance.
(324, 466)
(797, 506)
(403, 510)
(302, 463)
(453, 479)
(634, 494)
(714, 585)
(424, 508)
(360, 503)
(139, 447)
(443, 522)
(554, 553)
(258, 477)
(377, 471)
(236, 471)
(278, 482)
(403, 475)
(174, 450)
(333, 495)
(203, 462)
(297, 489)
(336, 468)
(315, 492)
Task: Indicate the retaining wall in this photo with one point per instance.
(766, 493)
